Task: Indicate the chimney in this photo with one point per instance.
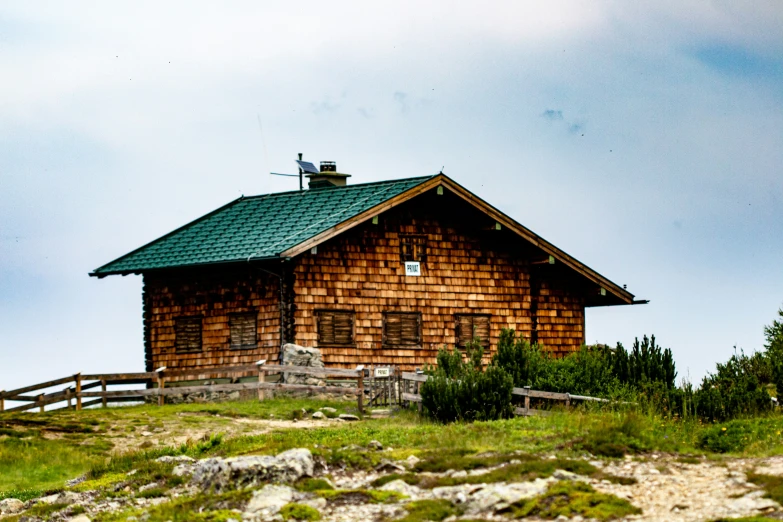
(327, 177)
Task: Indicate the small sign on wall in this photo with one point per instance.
(412, 268)
(382, 372)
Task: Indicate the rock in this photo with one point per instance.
(400, 486)
(561, 474)
(318, 415)
(499, 496)
(149, 486)
(387, 466)
(752, 503)
(459, 474)
(178, 459)
(295, 355)
(348, 417)
(412, 461)
(239, 472)
(80, 518)
(374, 444)
(11, 506)
(327, 409)
(73, 482)
(318, 503)
(269, 500)
(146, 434)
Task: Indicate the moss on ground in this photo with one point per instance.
(571, 498)
(357, 496)
(429, 510)
(295, 511)
(203, 507)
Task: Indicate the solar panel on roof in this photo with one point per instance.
(308, 167)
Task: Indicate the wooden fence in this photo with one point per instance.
(78, 395)
(411, 382)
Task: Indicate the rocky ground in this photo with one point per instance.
(662, 486)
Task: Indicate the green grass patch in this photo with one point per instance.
(409, 478)
(751, 435)
(359, 496)
(313, 484)
(528, 468)
(42, 510)
(200, 508)
(429, 510)
(772, 484)
(40, 464)
(295, 511)
(569, 499)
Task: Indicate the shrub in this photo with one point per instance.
(299, 512)
(645, 363)
(460, 391)
(733, 390)
(626, 435)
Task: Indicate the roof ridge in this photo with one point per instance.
(345, 187)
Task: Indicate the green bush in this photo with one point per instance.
(460, 391)
(733, 390)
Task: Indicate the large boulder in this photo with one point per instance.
(11, 506)
(219, 474)
(295, 355)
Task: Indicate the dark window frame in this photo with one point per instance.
(385, 341)
(318, 314)
(458, 334)
(253, 316)
(413, 247)
(182, 325)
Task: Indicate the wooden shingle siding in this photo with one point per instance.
(470, 269)
(215, 296)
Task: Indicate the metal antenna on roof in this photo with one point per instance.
(303, 166)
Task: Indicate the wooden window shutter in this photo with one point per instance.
(242, 329)
(187, 333)
(413, 248)
(335, 327)
(402, 329)
(473, 326)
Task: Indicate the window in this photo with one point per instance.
(401, 329)
(413, 248)
(243, 331)
(472, 326)
(335, 327)
(187, 332)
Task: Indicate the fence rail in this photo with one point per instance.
(411, 383)
(158, 380)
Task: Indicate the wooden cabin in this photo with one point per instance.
(375, 273)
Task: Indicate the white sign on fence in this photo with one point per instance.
(412, 268)
(382, 372)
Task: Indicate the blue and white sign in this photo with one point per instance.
(412, 268)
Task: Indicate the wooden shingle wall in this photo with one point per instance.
(212, 295)
(470, 267)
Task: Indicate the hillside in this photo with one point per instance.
(201, 462)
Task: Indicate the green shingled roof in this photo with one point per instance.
(258, 226)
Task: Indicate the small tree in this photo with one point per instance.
(773, 334)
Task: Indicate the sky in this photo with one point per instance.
(644, 139)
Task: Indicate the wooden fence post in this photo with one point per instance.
(68, 397)
(2, 400)
(419, 405)
(360, 386)
(161, 385)
(78, 379)
(261, 377)
(40, 399)
(527, 399)
(103, 389)
(568, 400)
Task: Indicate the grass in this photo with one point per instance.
(433, 510)
(39, 452)
(354, 496)
(772, 484)
(295, 511)
(200, 508)
(567, 498)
